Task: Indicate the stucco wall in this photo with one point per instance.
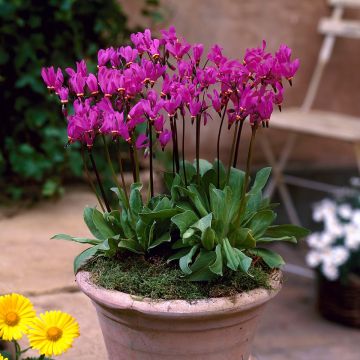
(238, 24)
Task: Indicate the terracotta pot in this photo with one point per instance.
(213, 329)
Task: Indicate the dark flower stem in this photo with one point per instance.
(177, 157)
(132, 159)
(232, 151)
(183, 148)
(198, 118)
(247, 174)
(218, 146)
(91, 183)
(151, 160)
(107, 154)
(99, 181)
(238, 143)
(122, 172)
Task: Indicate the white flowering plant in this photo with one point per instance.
(335, 251)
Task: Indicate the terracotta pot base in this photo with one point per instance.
(210, 329)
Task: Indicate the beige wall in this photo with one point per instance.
(238, 24)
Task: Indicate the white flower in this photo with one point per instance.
(330, 271)
(339, 255)
(313, 258)
(345, 211)
(355, 181)
(356, 218)
(352, 236)
(324, 210)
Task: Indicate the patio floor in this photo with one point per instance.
(40, 268)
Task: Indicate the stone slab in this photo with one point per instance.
(29, 260)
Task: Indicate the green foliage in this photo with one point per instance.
(137, 227)
(221, 227)
(34, 34)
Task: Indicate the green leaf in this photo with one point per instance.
(236, 258)
(244, 261)
(86, 255)
(160, 240)
(271, 258)
(204, 166)
(217, 266)
(261, 179)
(187, 259)
(101, 224)
(295, 231)
(120, 193)
(178, 255)
(156, 215)
(236, 182)
(135, 199)
(200, 268)
(199, 199)
(184, 220)
(109, 247)
(131, 245)
(77, 239)
(231, 256)
(203, 223)
(222, 173)
(260, 222)
(291, 239)
(208, 238)
(88, 218)
(242, 238)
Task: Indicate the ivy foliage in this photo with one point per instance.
(34, 34)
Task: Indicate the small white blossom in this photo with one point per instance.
(345, 211)
(339, 255)
(352, 236)
(356, 218)
(313, 259)
(330, 271)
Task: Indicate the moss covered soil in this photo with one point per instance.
(154, 278)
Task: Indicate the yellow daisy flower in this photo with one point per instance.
(16, 314)
(2, 358)
(53, 333)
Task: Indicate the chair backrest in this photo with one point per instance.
(331, 27)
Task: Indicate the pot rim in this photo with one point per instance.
(122, 301)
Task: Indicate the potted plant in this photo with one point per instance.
(186, 273)
(335, 254)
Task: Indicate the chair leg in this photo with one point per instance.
(277, 180)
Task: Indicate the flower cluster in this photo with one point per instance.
(52, 333)
(334, 249)
(159, 79)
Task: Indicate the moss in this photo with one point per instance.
(156, 279)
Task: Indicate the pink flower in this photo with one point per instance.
(128, 54)
(52, 80)
(63, 95)
(198, 50)
(164, 138)
(77, 84)
(142, 141)
(194, 108)
(92, 84)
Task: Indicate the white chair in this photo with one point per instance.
(323, 124)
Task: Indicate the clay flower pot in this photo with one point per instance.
(211, 329)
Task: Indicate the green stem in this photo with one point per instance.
(90, 181)
(151, 160)
(238, 143)
(177, 158)
(99, 181)
(232, 152)
(17, 350)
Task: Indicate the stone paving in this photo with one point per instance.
(40, 268)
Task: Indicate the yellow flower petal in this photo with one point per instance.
(16, 315)
(53, 333)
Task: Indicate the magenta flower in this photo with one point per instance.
(63, 93)
(52, 80)
(215, 100)
(172, 105)
(194, 108)
(164, 138)
(77, 84)
(215, 55)
(92, 84)
(177, 49)
(198, 50)
(159, 124)
(128, 54)
(142, 141)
